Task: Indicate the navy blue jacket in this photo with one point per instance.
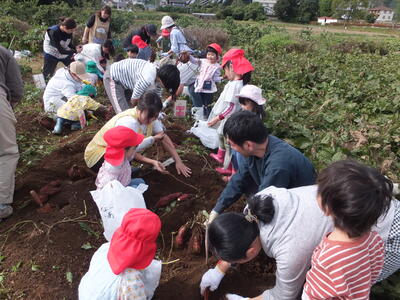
(282, 166)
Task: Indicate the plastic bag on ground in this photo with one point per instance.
(113, 202)
(207, 135)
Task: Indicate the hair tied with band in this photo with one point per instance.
(250, 217)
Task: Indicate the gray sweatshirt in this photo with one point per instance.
(11, 85)
(297, 228)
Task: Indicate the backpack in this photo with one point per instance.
(191, 40)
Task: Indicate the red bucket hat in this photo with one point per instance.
(137, 40)
(216, 47)
(165, 33)
(133, 244)
(118, 138)
(240, 64)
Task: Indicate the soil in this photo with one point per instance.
(41, 250)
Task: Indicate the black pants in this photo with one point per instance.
(50, 64)
(206, 99)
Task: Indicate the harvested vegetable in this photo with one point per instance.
(164, 201)
(196, 240)
(180, 237)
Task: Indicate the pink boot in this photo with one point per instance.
(229, 171)
(219, 157)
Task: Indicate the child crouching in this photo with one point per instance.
(69, 112)
(121, 146)
(125, 268)
(349, 260)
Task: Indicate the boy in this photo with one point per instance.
(349, 260)
(132, 51)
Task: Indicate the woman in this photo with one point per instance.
(178, 40)
(128, 79)
(141, 119)
(57, 46)
(97, 28)
(100, 54)
(142, 38)
(287, 225)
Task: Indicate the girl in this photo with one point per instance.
(238, 71)
(97, 28)
(100, 54)
(287, 225)
(125, 268)
(121, 146)
(57, 46)
(209, 74)
(142, 119)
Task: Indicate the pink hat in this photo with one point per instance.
(240, 64)
(165, 33)
(253, 93)
(137, 40)
(133, 244)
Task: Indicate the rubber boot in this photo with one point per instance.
(228, 171)
(59, 126)
(219, 157)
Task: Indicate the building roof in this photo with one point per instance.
(381, 8)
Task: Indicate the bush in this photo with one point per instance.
(274, 41)
(286, 10)
(207, 35)
(370, 18)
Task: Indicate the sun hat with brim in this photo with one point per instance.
(240, 64)
(118, 138)
(88, 90)
(216, 47)
(137, 40)
(133, 244)
(79, 69)
(253, 93)
(166, 22)
(151, 29)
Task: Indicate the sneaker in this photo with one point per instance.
(6, 210)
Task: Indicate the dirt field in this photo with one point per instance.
(43, 255)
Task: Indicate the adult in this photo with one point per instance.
(141, 119)
(128, 79)
(58, 46)
(267, 161)
(97, 28)
(287, 225)
(11, 92)
(145, 32)
(63, 85)
(100, 54)
(178, 40)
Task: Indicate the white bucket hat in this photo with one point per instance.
(253, 93)
(166, 22)
(79, 69)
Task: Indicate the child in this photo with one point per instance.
(94, 73)
(349, 260)
(132, 51)
(125, 268)
(238, 71)
(121, 147)
(69, 112)
(209, 74)
(163, 41)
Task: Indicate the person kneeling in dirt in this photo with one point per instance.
(63, 85)
(121, 146)
(267, 161)
(125, 268)
(141, 119)
(69, 112)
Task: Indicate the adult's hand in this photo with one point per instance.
(181, 168)
(212, 278)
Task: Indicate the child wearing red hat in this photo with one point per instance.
(209, 74)
(125, 268)
(121, 145)
(164, 42)
(238, 71)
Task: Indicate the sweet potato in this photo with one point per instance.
(196, 240)
(180, 237)
(40, 199)
(183, 197)
(76, 173)
(164, 201)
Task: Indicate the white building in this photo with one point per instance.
(326, 20)
(383, 13)
(268, 6)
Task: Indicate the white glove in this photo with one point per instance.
(212, 279)
(235, 297)
(164, 54)
(212, 216)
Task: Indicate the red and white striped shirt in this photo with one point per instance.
(344, 270)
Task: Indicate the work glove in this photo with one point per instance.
(212, 279)
(164, 54)
(235, 297)
(211, 217)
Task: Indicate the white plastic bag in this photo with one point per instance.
(207, 135)
(114, 201)
(151, 277)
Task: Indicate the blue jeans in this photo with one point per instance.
(195, 97)
(75, 125)
(136, 181)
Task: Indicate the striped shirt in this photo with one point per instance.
(344, 270)
(134, 74)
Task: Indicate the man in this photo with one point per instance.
(267, 161)
(11, 92)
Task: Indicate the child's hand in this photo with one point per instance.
(159, 136)
(213, 122)
(159, 167)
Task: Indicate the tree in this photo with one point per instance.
(308, 11)
(254, 11)
(286, 10)
(325, 8)
(350, 9)
(370, 18)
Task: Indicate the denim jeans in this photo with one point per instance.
(195, 97)
(136, 181)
